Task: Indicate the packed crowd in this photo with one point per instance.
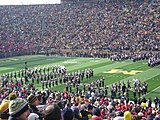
(71, 106)
(82, 104)
(105, 29)
(94, 28)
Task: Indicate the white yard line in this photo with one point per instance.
(152, 90)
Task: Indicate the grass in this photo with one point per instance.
(111, 71)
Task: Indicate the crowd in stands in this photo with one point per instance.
(71, 106)
(118, 30)
(96, 28)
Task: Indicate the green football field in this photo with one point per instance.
(103, 67)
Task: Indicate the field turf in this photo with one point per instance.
(103, 67)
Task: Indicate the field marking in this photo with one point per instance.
(127, 72)
(5, 68)
(136, 76)
(50, 59)
(152, 91)
(13, 59)
(139, 78)
(132, 81)
(145, 63)
(94, 60)
(86, 64)
(72, 62)
(132, 77)
(111, 66)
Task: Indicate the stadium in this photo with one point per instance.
(87, 59)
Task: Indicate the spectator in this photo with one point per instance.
(52, 112)
(33, 103)
(33, 116)
(67, 114)
(4, 110)
(119, 116)
(127, 115)
(18, 109)
(89, 110)
(96, 114)
(76, 113)
(152, 115)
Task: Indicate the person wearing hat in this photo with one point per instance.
(33, 102)
(4, 110)
(127, 115)
(18, 109)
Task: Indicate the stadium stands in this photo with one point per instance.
(118, 30)
(90, 28)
